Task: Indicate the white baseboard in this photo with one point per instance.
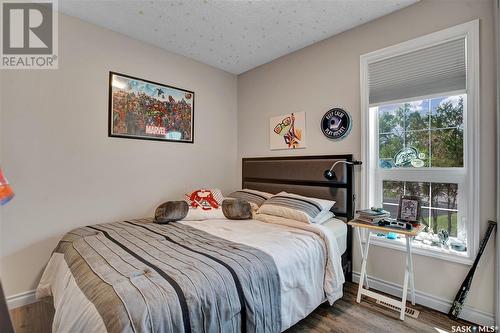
(443, 305)
(21, 299)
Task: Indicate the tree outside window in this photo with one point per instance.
(434, 127)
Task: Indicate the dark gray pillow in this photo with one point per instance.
(171, 211)
(236, 209)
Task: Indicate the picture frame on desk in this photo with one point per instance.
(409, 208)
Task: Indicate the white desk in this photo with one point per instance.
(409, 235)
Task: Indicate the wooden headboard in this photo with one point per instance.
(303, 175)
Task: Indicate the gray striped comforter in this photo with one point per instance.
(145, 277)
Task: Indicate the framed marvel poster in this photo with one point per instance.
(142, 109)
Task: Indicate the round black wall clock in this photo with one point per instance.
(336, 124)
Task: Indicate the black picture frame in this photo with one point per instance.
(111, 132)
(409, 208)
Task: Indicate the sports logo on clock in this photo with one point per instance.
(336, 124)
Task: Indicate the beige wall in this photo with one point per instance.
(65, 170)
(326, 74)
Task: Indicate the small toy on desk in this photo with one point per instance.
(393, 223)
(458, 245)
(392, 235)
(443, 236)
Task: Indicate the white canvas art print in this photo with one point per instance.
(288, 131)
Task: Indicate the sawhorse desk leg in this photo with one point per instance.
(364, 257)
(408, 277)
(409, 256)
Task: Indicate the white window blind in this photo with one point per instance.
(436, 69)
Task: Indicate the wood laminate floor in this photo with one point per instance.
(344, 316)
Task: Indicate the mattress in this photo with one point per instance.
(307, 258)
(300, 250)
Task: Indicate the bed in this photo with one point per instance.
(261, 275)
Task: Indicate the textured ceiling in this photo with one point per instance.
(236, 35)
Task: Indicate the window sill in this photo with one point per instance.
(424, 250)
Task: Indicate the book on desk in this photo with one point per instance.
(372, 216)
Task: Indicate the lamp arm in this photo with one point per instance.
(335, 163)
(330, 174)
(345, 162)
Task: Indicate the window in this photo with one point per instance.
(432, 129)
(426, 133)
(439, 204)
(420, 110)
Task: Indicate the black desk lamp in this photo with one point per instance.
(330, 174)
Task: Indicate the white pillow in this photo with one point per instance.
(296, 207)
(204, 204)
(208, 198)
(324, 217)
(199, 214)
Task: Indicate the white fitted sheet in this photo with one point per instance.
(339, 229)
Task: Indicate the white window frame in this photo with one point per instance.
(469, 206)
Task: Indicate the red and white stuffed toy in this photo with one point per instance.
(6, 193)
(203, 198)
